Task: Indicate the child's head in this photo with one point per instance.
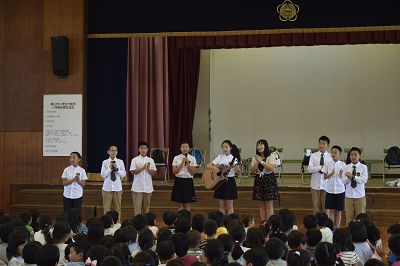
(210, 228)
(111, 261)
(139, 221)
(5, 230)
(185, 147)
(112, 151)
(213, 251)
(107, 221)
(326, 255)
(265, 227)
(276, 222)
(78, 251)
(217, 216)
(343, 240)
(310, 221)
(238, 235)
(145, 239)
(393, 229)
(45, 223)
(323, 143)
(151, 219)
(394, 244)
(109, 241)
(165, 250)
(169, 218)
(181, 242)
(227, 242)
(121, 251)
(329, 224)
(248, 221)
(48, 255)
(114, 215)
(182, 224)
(373, 232)
(274, 248)
(355, 155)
(297, 239)
(374, 262)
(198, 222)
(185, 213)
(16, 242)
(60, 233)
(126, 234)
(255, 238)
(26, 217)
(322, 218)
(95, 231)
(75, 219)
(262, 148)
(226, 147)
(143, 148)
(255, 257)
(336, 151)
(314, 237)
(98, 253)
(358, 231)
(288, 219)
(194, 238)
(164, 235)
(143, 258)
(75, 158)
(29, 252)
(298, 257)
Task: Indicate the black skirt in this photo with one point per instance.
(183, 190)
(265, 187)
(227, 190)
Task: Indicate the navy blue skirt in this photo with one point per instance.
(183, 190)
(227, 190)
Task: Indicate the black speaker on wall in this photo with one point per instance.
(60, 54)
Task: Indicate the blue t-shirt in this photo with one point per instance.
(392, 259)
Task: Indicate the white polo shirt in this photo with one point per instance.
(334, 184)
(361, 178)
(73, 190)
(317, 179)
(110, 185)
(225, 160)
(143, 181)
(184, 172)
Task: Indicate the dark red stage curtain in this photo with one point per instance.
(284, 39)
(148, 101)
(184, 67)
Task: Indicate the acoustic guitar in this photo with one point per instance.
(214, 179)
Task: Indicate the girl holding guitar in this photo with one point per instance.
(265, 189)
(227, 192)
(184, 167)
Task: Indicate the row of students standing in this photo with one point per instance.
(336, 186)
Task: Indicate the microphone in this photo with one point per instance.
(186, 163)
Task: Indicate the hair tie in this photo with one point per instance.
(226, 252)
(51, 232)
(339, 255)
(236, 241)
(297, 253)
(264, 223)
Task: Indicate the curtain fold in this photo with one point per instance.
(184, 68)
(148, 105)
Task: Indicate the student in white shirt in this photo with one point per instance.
(143, 168)
(334, 186)
(112, 170)
(227, 192)
(184, 167)
(74, 180)
(317, 161)
(355, 177)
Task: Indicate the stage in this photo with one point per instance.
(382, 202)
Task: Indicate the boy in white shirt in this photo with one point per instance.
(143, 168)
(112, 170)
(334, 186)
(355, 177)
(74, 179)
(317, 161)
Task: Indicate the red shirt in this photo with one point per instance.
(187, 260)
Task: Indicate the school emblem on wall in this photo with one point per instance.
(287, 11)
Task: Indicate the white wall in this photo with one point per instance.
(293, 95)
